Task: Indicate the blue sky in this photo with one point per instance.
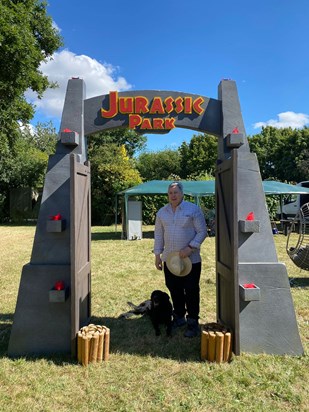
(186, 46)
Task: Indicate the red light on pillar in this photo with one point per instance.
(249, 286)
(250, 216)
(56, 217)
(59, 285)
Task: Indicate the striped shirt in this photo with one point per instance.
(176, 230)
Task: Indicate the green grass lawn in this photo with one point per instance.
(145, 372)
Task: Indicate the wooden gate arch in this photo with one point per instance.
(46, 320)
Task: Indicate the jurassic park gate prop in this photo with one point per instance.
(253, 291)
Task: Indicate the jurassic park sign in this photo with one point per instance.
(155, 114)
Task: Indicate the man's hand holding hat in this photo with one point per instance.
(177, 265)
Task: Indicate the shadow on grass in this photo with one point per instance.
(6, 321)
(299, 282)
(133, 336)
(136, 336)
(148, 234)
(106, 236)
(30, 223)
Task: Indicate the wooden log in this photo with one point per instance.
(91, 327)
(101, 345)
(204, 344)
(227, 351)
(212, 347)
(89, 337)
(106, 344)
(93, 344)
(219, 347)
(94, 347)
(85, 350)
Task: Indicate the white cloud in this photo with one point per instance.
(286, 119)
(28, 127)
(55, 26)
(99, 78)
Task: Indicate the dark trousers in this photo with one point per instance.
(185, 291)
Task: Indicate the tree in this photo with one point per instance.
(24, 163)
(266, 146)
(112, 169)
(199, 155)
(30, 155)
(158, 165)
(43, 137)
(282, 153)
(28, 165)
(111, 172)
(302, 164)
(293, 156)
(27, 38)
(132, 141)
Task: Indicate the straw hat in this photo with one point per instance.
(177, 265)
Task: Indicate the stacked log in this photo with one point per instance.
(216, 343)
(93, 344)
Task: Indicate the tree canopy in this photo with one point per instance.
(283, 154)
(199, 155)
(27, 38)
(112, 170)
(132, 141)
(29, 155)
(158, 165)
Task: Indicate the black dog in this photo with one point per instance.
(161, 311)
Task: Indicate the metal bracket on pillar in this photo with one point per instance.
(235, 140)
(69, 138)
(55, 226)
(249, 292)
(249, 226)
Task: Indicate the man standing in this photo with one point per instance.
(180, 227)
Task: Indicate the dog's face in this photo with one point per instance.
(158, 297)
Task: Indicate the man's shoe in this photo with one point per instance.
(193, 328)
(178, 322)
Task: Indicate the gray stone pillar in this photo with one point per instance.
(42, 320)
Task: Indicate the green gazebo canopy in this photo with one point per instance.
(202, 188)
(207, 188)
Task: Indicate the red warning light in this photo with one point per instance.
(59, 285)
(56, 217)
(250, 216)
